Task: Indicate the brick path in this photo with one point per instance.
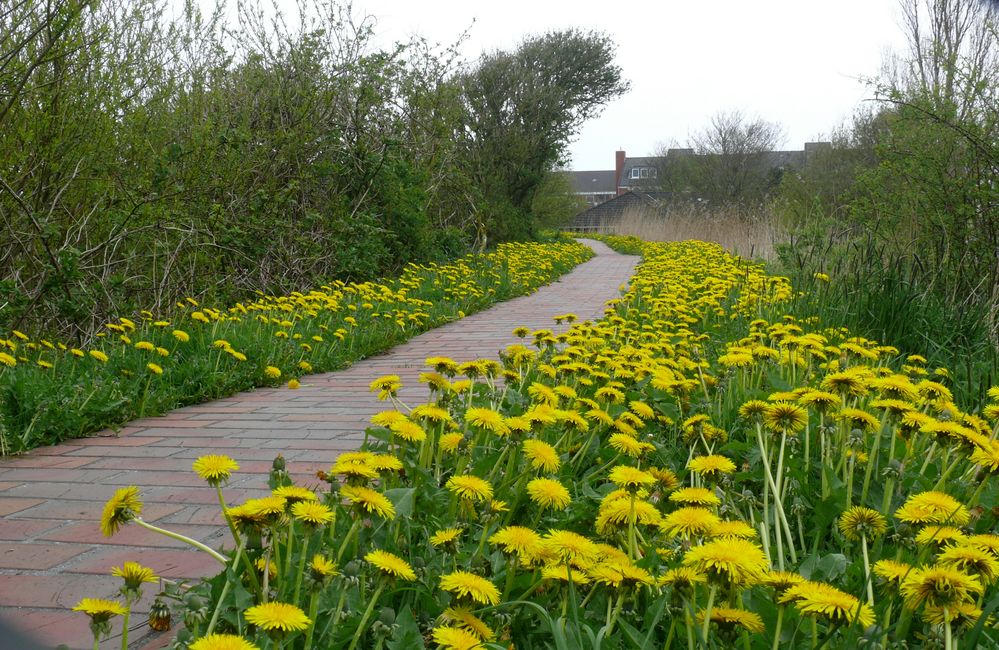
(51, 549)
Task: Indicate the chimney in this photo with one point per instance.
(618, 168)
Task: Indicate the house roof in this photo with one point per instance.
(612, 210)
(599, 181)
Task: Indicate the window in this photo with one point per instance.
(645, 172)
(634, 172)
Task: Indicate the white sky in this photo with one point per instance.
(796, 62)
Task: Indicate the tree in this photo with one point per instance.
(523, 108)
(935, 191)
(732, 160)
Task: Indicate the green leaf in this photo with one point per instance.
(407, 635)
(403, 499)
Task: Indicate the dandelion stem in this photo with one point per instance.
(124, 623)
(780, 623)
(181, 538)
(359, 633)
(225, 513)
(225, 589)
(867, 571)
(707, 612)
(614, 614)
(346, 540)
(780, 512)
(301, 572)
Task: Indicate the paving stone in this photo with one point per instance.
(31, 555)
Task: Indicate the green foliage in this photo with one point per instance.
(902, 210)
(522, 108)
(165, 158)
(554, 205)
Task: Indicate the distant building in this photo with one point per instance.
(594, 187)
(642, 173)
(601, 218)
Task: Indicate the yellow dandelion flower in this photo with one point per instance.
(689, 522)
(940, 536)
(972, 560)
(445, 537)
(387, 418)
(154, 368)
(729, 618)
(456, 638)
(569, 546)
(121, 508)
(781, 581)
(964, 614)
(933, 508)
(471, 587)
(986, 455)
(443, 365)
(858, 419)
(430, 413)
(785, 416)
(391, 565)
(939, 586)
(408, 431)
(471, 488)
(100, 609)
(630, 478)
(681, 578)
(368, 500)
(272, 372)
(321, 567)
(214, 468)
(564, 573)
(450, 442)
(466, 620)
(312, 513)
(859, 522)
(891, 572)
(629, 445)
(222, 642)
(134, 574)
(488, 419)
(731, 560)
(618, 512)
(753, 409)
(516, 540)
(735, 528)
(386, 386)
(277, 617)
(548, 493)
(695, 496)
(543, 456)
(711, 467)
(819, 599)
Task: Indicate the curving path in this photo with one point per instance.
(51, 549)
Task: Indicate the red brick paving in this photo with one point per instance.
(52, 553)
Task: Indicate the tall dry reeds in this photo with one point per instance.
(749, 233)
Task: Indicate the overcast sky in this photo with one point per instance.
(796, 62)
